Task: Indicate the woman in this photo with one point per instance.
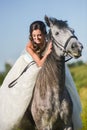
(38, 43)
(16, 90)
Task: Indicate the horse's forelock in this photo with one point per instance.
(60, 23)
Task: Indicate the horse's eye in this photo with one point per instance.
(56, 33)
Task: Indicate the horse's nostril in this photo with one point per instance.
(81, 46)
(79, 52)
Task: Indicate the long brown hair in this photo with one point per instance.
(42, 27)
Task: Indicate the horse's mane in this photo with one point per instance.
(60, 23)
(49, 74)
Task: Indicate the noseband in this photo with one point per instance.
(63, 48)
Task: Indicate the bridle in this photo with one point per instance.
(63, 48)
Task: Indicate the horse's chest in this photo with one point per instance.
(46, 109)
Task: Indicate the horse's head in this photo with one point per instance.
(65, 42)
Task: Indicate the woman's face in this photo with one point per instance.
(38, 36)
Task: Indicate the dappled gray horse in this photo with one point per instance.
(51, 105)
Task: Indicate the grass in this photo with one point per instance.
(79, 74)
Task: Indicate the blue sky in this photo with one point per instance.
(17, 15)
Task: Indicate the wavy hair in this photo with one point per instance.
(34, 26)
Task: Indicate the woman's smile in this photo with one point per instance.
(37, 36)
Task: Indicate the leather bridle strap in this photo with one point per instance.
(63, 48)
(69, 40)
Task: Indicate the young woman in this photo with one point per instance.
(16, 90)
(38, 43)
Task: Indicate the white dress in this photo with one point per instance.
(14, 101)
(77, 108)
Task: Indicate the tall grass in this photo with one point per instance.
(79, 74)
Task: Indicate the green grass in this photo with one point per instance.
(79, 74)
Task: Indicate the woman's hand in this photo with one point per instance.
(49, 49)
(39, 61)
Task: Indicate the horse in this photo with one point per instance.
(51, 105)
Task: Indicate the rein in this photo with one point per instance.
(25, 69)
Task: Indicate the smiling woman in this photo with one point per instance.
(16, 90)
(38, 42)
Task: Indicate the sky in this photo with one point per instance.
(17, 15)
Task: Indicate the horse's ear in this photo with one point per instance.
(47, 20)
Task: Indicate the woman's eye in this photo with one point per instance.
(56, 33)
(34, 36)
(40, 35)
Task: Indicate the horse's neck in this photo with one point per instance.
(58, 64)
(61, 71)
(51, 76)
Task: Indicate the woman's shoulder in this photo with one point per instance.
(29, 45)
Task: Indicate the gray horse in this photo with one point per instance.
(51, 104)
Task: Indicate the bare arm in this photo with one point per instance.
(39, 61)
